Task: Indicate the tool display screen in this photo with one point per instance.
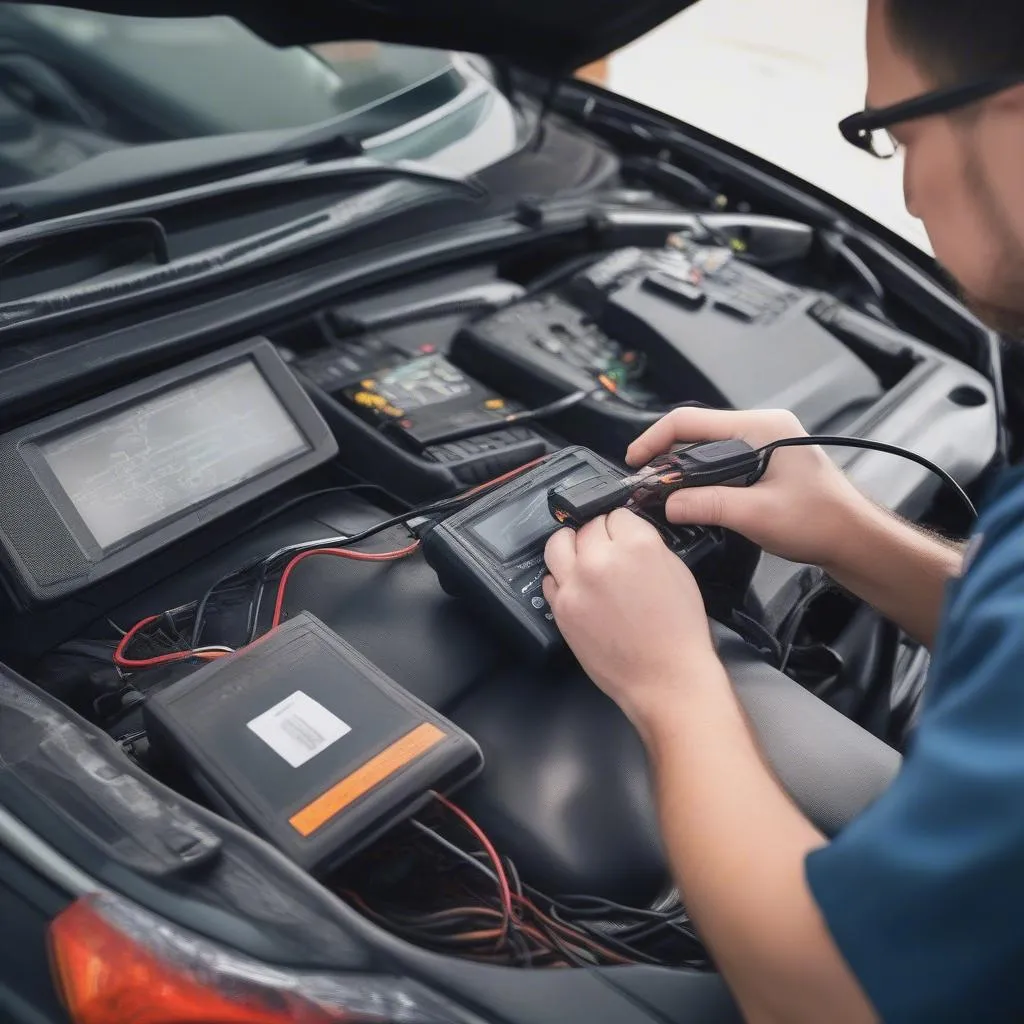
(519, 525)
(137, 467)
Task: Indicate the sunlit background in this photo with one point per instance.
(774, 76)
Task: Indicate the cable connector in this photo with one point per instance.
(711, 463)
(420, 526)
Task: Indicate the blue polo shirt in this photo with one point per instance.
(924, 892)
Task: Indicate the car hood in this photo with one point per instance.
(552, 37)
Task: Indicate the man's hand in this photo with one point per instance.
(798, 510)
(806, 510)
(630, 610)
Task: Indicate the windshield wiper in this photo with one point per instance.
(204, 166)
(364, 209)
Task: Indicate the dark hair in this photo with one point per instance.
(960, 40)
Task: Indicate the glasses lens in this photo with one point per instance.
(876, 141)
(883, 145)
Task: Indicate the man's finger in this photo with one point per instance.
(706, 506)
(550, 587)
(560, 553)
(593, 532)
(685, 426)
(624, 525)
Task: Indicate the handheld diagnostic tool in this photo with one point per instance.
(492, 552)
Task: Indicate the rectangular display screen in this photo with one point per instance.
(519, 525)
(128, 471)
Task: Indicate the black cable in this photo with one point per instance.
(266, 563)
(451, 847)
(512, 419)
(301, 499)
(273, 513)
(828, 440)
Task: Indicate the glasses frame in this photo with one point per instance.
(858, 129)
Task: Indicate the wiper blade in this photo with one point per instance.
(364, 209)
(204, 166)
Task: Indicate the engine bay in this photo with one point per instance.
(338, 467)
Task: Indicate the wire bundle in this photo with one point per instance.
(478, 908)
(167, 642)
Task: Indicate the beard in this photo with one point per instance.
(1002, 316)
(1001, 306)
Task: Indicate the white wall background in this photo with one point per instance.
(773, 76)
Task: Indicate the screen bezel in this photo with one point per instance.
(321, 446)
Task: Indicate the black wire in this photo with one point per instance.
(526, 416)
(612, 942)
(301, 499)
(829, 440)
(266, 563)
(602, 906)
(453, 848)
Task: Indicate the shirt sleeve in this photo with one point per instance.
(924, 892)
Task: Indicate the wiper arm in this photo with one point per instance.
(364, 209)
(205, 166)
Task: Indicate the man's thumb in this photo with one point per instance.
(703, 506)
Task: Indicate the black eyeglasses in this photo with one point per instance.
(869, 129)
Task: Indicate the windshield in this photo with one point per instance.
(76, 83)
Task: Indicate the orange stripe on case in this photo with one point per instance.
(412, 745)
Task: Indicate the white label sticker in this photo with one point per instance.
(298, 728)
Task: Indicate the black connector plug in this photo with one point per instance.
(706, 464)
(576, 504)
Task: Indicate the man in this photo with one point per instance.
(916, 911)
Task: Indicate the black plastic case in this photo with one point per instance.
(304, 741)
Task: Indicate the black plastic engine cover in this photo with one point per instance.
(740, 352)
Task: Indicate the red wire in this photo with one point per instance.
(357, 556)
(492, 853)
(387, 556)
(162, 659)
(505, 476)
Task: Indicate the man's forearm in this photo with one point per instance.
(737, 845)
(897, 568)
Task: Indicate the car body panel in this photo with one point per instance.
(554, 38)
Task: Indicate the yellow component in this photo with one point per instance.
(739, 245)
(608, 383)
(391, 410)
(370, 401)
(368, 385)
(494, 403)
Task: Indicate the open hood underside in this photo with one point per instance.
(548, 36)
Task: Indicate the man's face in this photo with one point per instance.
(962, 178)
